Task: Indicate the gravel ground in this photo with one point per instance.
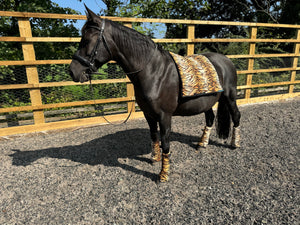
(102, 174)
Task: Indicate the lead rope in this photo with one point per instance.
(95, 104)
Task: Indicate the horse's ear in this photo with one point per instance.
(91, 16)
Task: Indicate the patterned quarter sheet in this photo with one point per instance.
(198, 75)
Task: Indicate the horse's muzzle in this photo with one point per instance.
(84, 77)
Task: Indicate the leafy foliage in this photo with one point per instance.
(40, 28)
(275, 11)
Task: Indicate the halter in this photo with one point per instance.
(90, 63)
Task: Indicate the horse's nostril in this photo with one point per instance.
(84, 77)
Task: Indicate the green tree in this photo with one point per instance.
(40, 28)
(266, 11)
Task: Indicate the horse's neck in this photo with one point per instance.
(130, 59)
(125, 62)
(133, 65)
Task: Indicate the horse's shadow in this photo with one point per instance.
(133, 144)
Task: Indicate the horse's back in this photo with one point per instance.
(224, 67)
(227, 75)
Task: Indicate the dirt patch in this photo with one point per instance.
(102, 175)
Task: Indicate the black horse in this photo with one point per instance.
(156, 82)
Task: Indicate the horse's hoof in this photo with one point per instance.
(235, 145)
(163, 177)
(156, 158)
(201, 146)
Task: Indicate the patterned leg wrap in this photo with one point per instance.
(236, 137)
(205, 137)
(156, 153)
(164, 173)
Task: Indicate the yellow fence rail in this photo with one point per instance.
(34, 86)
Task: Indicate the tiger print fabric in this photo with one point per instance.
(198, 75)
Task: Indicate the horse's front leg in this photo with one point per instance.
(165, 130)
(156, 152)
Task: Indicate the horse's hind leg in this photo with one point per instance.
(209, 118)
(156, 152)
(235, 115)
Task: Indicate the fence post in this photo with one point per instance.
(295, 62)
(31, 71)
(129, 86)
(252, 45)
(191, 35)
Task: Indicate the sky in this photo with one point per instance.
(96, 6)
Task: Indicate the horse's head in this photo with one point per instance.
(93, 49)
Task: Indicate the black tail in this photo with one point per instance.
(223, 118)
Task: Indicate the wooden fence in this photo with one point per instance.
(34, 86)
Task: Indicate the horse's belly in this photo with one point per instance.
(193, 106)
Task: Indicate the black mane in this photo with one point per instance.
(129, 37)
(136, 43)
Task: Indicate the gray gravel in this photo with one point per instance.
(102, 174)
